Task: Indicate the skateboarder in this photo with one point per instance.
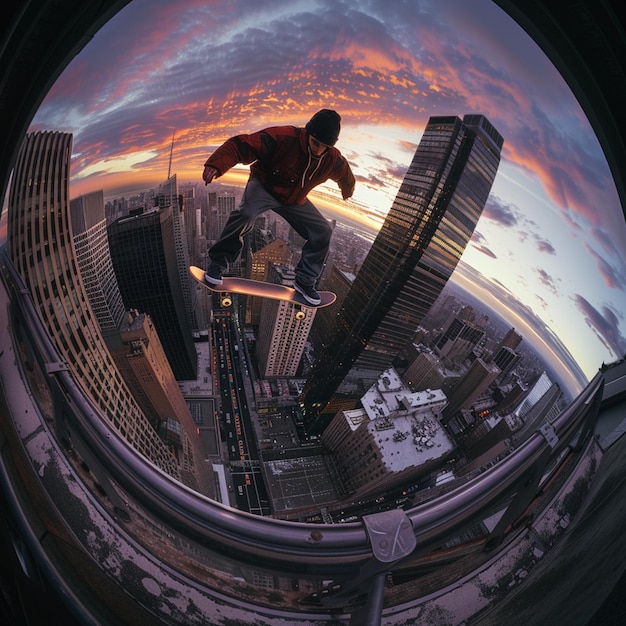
(286, 162)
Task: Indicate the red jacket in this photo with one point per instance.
(280, 158)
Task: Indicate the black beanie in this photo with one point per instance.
(325, 126)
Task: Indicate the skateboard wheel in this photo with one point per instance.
(226, 301)
(300, 315)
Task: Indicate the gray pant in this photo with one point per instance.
(305, 219)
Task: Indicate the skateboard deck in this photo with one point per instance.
(245, 286)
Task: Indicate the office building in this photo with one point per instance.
(337, 281)
(394, 439)
(511, 340)
(41, 248)
(424, 372)
(166, 196)
(461, 335)
(473, 383)
(282, 338)
(418, 247)
(506, 359)
(535, 393)
(544, 411)
(143, 252)
(260, 260)
(220, 207)
(142, 361)
(94, 261)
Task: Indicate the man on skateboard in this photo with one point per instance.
(286, 162)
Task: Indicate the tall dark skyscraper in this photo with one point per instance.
(143, 251)
(418, 247)
(167, 196)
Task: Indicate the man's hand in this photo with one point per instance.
(209, 174)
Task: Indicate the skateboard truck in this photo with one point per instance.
(226, 299)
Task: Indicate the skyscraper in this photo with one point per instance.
(144, 366)
(538, 389)
(512, 339)
(417, 249)
(42, 250)
(282, 337)
(477, 378)
(168, 196)
(94, 260)
(259, 264)
(143, 252)
(220, 208)
(461, 335)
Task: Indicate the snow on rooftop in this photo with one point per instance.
(409, 440)
(389, 395)
(355, 417)
(403, 424)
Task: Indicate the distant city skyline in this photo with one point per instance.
(552, 236)
(494, 297)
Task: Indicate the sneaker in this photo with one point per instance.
(213, 275)
(308, 292)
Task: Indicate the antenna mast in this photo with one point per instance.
(169, 167)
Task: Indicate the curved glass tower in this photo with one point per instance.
(418, 247)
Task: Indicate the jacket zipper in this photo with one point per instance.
(306, 169)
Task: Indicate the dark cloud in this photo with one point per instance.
(543, 245)
(478, 238)
(479, 242)
(486, 251)
(604, 324)
(611, 267)
(546, 279)
(206, 71)
(501, 213)
(195, 66)
(163, 64)
(508, 215)
(571, 171)
(371, 181)
(392, 170)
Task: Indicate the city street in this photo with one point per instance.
(237, 431)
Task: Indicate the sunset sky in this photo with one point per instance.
(551, 242)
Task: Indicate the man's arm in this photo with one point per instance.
(344, 178)
(239, 149)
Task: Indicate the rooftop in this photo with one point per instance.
(409, 440)
(389, 395)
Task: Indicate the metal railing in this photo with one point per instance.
(357, 555)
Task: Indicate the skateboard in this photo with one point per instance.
(245, 286)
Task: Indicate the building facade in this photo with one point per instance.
(40, 241)
(473, 383)
(260, 260)
(418, 247)
(166, 196)
(94, 261)
(143, 251)
(282, 338)
(142, 361)
(394, 439)
(460, 337)
(424, 372)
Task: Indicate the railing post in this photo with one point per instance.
(392, 538)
